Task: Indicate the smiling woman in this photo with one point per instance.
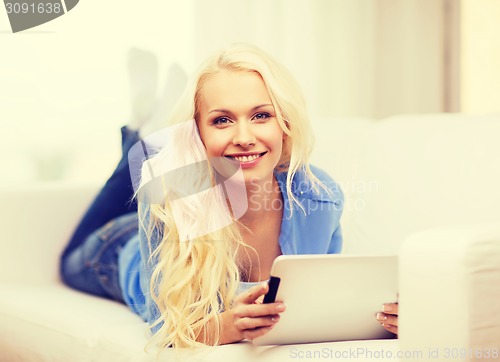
(237, 120)
(207, 289)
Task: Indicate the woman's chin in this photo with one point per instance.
(260, 179)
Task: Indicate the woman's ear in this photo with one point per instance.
(284, 136)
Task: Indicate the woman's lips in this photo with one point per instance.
(247, 160)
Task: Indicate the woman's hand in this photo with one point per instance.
(250, 318)
(389, 317)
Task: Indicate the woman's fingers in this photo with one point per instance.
(388, 321)
(390, 308)
(252, 294)
(253, 323)
(260, 299)
(256, 327)
(391, 328)
(254, 333)
(389, 317)
(251, 317)
(258, 310)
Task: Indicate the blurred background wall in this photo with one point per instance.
(64, 88)
(353, 58)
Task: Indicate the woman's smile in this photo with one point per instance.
(247, 160)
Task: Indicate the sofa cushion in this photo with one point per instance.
(53, 323)
(37, 221)
(449, 288)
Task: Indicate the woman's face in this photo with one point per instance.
(237, 122)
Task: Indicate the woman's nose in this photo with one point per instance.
(243, 135)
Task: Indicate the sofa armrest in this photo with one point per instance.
(450, 293)
(36, 222)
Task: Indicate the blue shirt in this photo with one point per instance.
(315, 229)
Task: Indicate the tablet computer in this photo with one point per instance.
(330, 297)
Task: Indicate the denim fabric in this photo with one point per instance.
(93, 266)
(90, 261)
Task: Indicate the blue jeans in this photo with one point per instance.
(90, 260)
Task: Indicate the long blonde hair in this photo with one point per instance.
(193, 281)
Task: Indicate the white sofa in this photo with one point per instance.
(424, 186)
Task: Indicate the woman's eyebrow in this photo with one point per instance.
(261, 106)
(252, 110)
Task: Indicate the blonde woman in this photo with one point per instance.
(193, 261)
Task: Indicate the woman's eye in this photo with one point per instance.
(221, 121)
(262, 116)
